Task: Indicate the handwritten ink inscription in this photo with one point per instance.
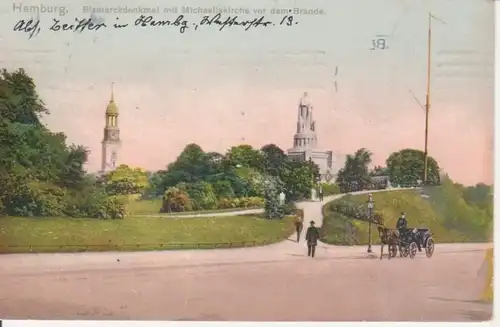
(182, 23)
(379, 43)
(32, 27)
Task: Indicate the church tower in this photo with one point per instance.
(111, 140)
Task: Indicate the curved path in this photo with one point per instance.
(275, 282)
(207, 214)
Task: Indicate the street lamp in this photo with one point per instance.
(370, 204)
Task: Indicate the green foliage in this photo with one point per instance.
(176, 200)
(444, 212)
(223, 189)
(251, 182)
(245, 202)
(274, 158)
(201, 194)
(298, 178)
(139, 234)
(40, 174)
(272, 207)
(448, 200)
(126, 180)
(289, 209)
(480, 195)
(340, 230)
(406, 168)
(355, 175)
(144, 206)
(193, 166)
(239, 173)
(245, 156)
(36, 199)
(94, 204)
(330, 189)
(379, 171)
(355, 211)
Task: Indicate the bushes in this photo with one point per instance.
(443, 212)
(48, 200)
(330, 189)
(291, 209)
(448, 201)
(95, 204)
(338, 229)
(223, 189)
(355, 211)
(201, 194)
(244, 202)
(272, 207)
(176, 200)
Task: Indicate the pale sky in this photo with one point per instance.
(219, 89)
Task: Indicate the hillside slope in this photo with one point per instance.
(445, 212)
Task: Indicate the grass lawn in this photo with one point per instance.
(152, 207)
(134, 233)
(420, 212)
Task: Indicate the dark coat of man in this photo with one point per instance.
(312, 235)
(402, 222)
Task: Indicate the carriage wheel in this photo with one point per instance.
(413, 250)
(393, 250)
(429, 248)
(405, 251)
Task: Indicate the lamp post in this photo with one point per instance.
(370, 213)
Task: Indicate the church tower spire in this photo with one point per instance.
(111, 140)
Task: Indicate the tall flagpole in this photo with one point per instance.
(427, 98)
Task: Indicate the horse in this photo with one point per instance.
(388, 236)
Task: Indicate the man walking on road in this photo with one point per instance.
(312, 236)
(298, 227)
(320, 193)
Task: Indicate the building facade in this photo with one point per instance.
(305, 143)
(111, 142)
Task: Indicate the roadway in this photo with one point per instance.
(270, 283)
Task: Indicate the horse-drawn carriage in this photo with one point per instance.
(409, 241)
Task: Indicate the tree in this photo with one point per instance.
(176, 200)
(39, 173)
(272, 208)
(223, 189)
(126, 180)
(299, 179)
(274, 159)
(406, 167)
(379, 171)
(19, 101)
(245, 156)
(249, 182)
(191, 166)
(355, 175)
(201, 194)
(480, 195)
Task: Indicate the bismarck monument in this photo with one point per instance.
(305, 142)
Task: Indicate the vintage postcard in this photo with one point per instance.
(246, 160)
